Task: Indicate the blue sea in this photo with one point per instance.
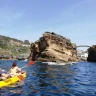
(44, 79)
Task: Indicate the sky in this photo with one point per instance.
(29, 19)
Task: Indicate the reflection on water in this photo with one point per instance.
(49, 80)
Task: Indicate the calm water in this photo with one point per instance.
(54, 80)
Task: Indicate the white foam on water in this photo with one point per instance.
(55, 63)
(52, 63)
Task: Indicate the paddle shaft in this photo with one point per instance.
(24, 66)
(31, 63)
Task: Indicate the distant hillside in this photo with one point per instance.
(13, 46)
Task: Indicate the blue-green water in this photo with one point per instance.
(54, 80)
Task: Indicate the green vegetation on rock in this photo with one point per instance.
(13, 46)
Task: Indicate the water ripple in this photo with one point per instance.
(50, 80)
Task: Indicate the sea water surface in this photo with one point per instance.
(45, 79)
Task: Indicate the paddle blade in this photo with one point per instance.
(21, 77)
(31, 63)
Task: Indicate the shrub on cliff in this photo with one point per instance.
(26, 42)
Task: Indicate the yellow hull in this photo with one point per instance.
(12, 80)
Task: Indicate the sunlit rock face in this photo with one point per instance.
(92, 54)
(53, 47)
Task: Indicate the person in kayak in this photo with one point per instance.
(3, 76)
(14, 70)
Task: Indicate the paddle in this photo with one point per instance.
(21, 77)
(29, 64)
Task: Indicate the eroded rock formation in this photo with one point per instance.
(92, 54)
(53, 47)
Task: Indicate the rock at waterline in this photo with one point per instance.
(92, 54)
(53, 47)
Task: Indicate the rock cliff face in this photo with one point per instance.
(92, 54)
(53, 47)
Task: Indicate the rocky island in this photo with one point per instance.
(52, 47)
(92, 54)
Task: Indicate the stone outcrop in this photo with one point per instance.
(53, 47)
(92, 54)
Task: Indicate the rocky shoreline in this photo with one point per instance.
(51, 47)
(11, 57)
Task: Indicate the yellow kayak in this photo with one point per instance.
(12, 80)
